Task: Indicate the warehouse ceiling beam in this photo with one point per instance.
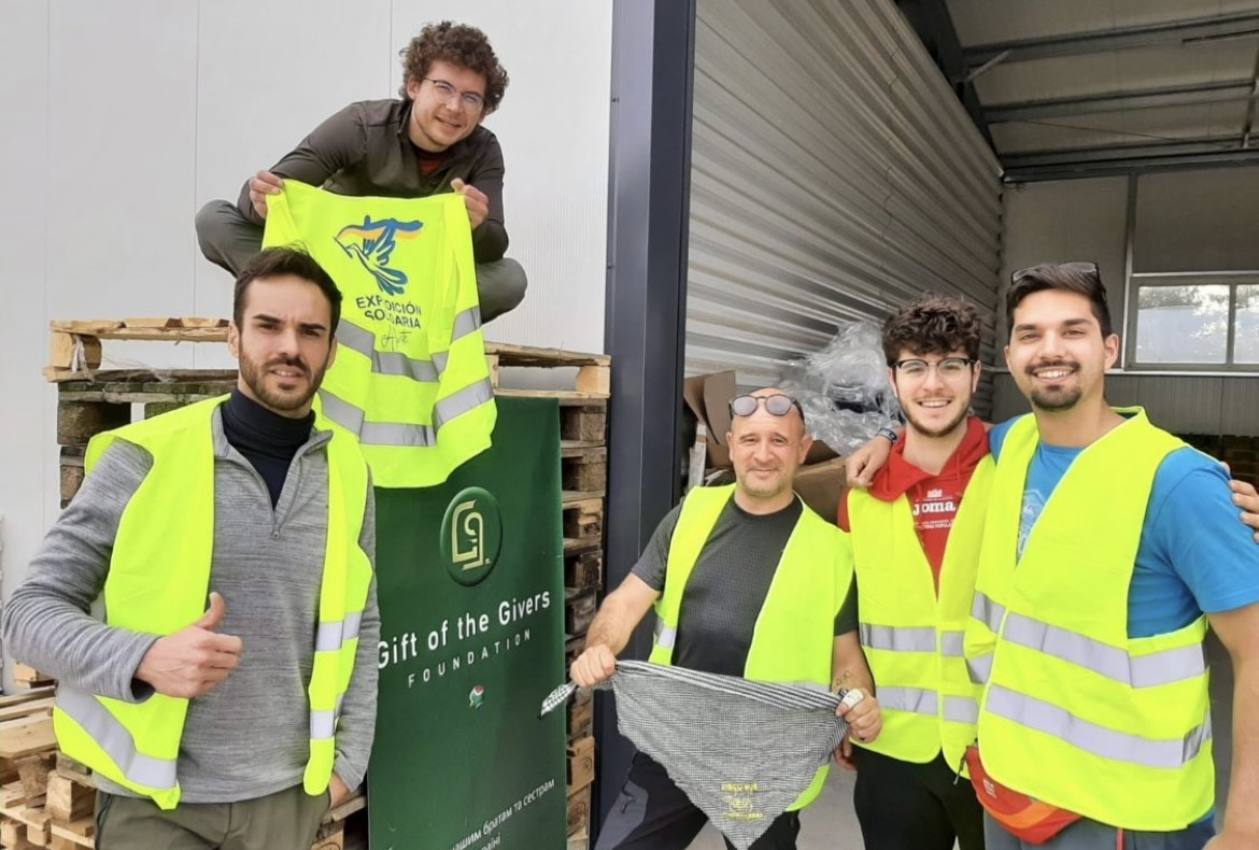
(1188, 31)
(933, 24)
(1217, 91)
(1250, 107)
(1070, 163)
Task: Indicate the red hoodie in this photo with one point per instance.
(932, 498)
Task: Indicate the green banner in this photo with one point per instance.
(470, 582)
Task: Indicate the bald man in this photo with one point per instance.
(743, 576)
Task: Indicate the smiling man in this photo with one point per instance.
(747, 581)
(915, 535)
(1110, 547)
(429, 141)
(232, 543)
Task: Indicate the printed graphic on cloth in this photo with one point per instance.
(742, 751)
(410, 377)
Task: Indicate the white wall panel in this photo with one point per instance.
(268, 74)
(834, 176)
(26, 452)
(123, 118)
(553, 125)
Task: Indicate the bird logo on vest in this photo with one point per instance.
(372, 243)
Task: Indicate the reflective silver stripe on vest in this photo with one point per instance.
(987, 611)
(961, 710)
(353, 419)
(952, 644)
(1137, 671)
(1098, 740)
(331, 635)
(385, 362)
(466, 322)
(898, 639)
(459, 403)
(666, 636)
(979, 668)
(395, 363)
(913, 700)
(323, 724)
(112, 737)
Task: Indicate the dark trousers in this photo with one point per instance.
(906, 806)
(1087, 834)
(652, 813)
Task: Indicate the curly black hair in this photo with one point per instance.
(932, 324)
(458, 44)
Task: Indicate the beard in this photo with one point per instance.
(1063, 399)
(1054, 398)
(944, 431)
(254, 374)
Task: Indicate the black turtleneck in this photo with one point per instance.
(268, 440)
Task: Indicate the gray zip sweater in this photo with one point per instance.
(248, 737)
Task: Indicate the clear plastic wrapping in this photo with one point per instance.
(843, 388)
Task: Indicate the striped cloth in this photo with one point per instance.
(742, 751)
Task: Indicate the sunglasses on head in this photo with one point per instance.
(778, 405)
(1077, 268)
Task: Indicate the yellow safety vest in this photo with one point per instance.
(410, 379)
(159, 576)
(1076, 713)
(794, 637)
(913, 638)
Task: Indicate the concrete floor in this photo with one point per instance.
(829, 823)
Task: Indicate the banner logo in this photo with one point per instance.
(476, 697)
(372, 243)
(471, 534)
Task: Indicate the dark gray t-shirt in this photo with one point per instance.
(727, 588)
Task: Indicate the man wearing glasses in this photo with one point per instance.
(747, 581)
(428, 142)
(916, 534)
(1109, 547)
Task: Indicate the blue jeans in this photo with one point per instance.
(1086, 834)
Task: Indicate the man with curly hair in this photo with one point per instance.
(429, 141)
(915, 534)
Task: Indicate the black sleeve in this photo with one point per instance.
(846, 620)
(335, 144)
(651, 564)
(489, 241)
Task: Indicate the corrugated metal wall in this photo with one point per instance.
(834, 176)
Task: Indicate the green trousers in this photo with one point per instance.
(286, 820)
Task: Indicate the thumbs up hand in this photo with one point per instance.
(193, 660)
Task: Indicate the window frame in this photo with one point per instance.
(1231, 279)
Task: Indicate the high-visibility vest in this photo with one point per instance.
(410, 380)
(159, 576)
(1075, 713)
(794, 638)
(913, 637)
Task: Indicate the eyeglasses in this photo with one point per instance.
(470, 99)
(950, 367)
(1089, 269)
(778, 405)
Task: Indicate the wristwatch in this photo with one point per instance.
(889, 433)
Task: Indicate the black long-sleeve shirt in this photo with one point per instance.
(365, 150)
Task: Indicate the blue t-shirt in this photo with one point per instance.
(1195, 554)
